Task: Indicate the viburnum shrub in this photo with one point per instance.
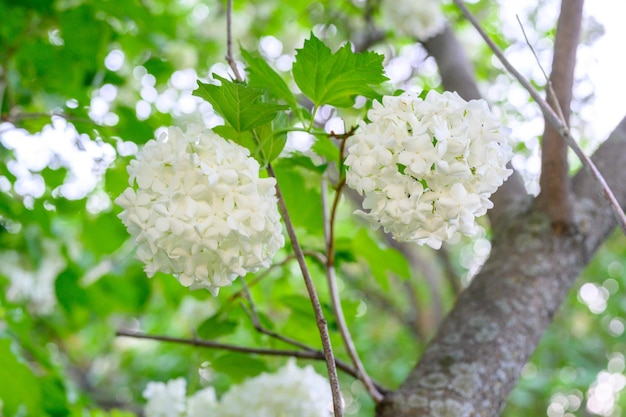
(197, 206)
(198, 209)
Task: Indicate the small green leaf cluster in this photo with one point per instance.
(260, 111)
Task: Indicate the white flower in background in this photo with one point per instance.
(31, 283)
(292, 391)
(202, 404)
(422, 19)
(165, 399)
(427, 167)
(199, 209)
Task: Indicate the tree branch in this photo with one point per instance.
(329, 268)
(229, 41)
(315, 302)
(555, 196)
(300, 354)
(254, 318)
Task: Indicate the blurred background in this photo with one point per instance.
(83, 84)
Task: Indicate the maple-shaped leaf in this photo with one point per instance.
(335, 78)
(262, 76)
(241, 106)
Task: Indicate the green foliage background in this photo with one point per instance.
(69, 362)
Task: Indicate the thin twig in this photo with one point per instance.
(317, 308)
(329, 267)
(251, 312)
(552, 117)
(254, 318)
(18, 116)
(261, 275)
(300, 354)
(229, 40)
(3, 87)
(549, 86)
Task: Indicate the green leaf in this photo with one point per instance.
(239, 366)
(122, 290)
(270, 145)
(216, 326)
(54, 396)
(72, 297)
(54, 177)
(381, 261)
(262, 76)
(103, 234)
(325, 148)
(299, 304)
(18, 384)
(334, 79)
(263, 144)
(245, 139)
(116, 178)
(304, 202)
(130, 128)
(241, 106)
(299, 160)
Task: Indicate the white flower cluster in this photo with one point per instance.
(200, 210)
(33, 284)
(292, 391)
(422, 19)
(427, 167)
(166, 399)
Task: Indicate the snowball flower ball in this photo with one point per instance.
(202, 404)
(291, 391)
(421, 19)
(197, 209)
(165, 399)
(427, 167)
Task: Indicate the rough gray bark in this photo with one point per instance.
(476, 358)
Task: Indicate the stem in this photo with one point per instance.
(252, 313)
(229, 40)
(300, 354)
(254, 318)
(3, 89)
(313, 114)
(317, 308)
(329, 268)
(551, 117)
(310, 131)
